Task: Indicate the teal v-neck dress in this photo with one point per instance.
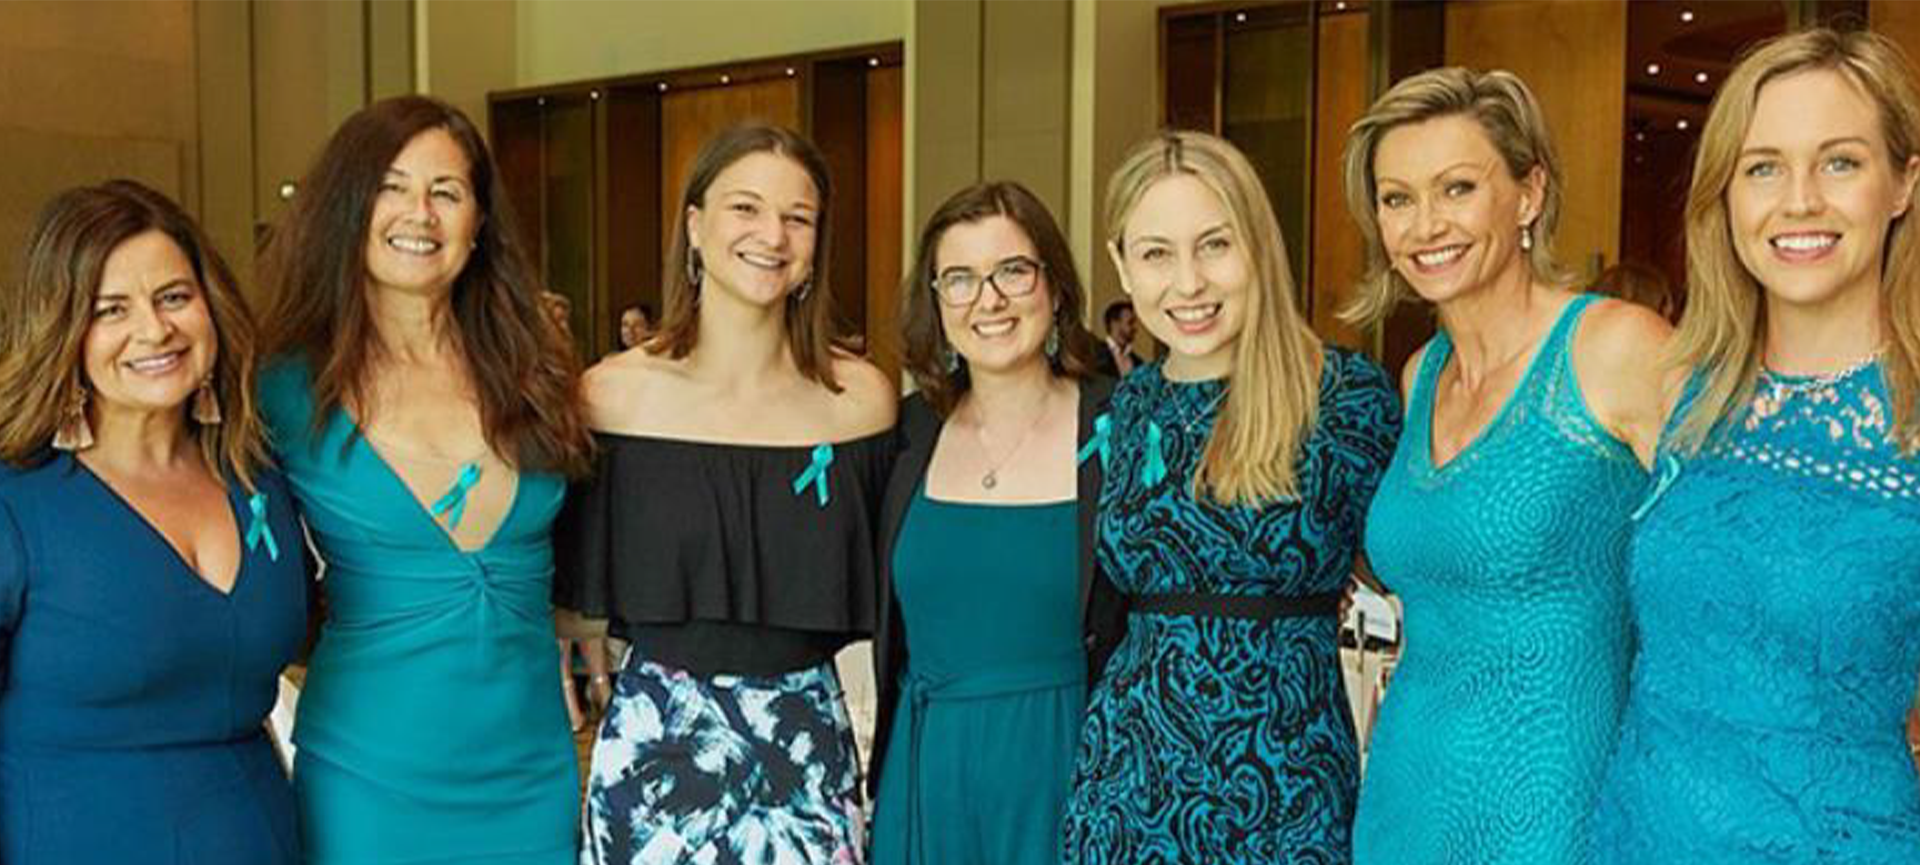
(1510, 560)
(430, 729)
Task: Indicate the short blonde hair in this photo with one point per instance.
(1273, 400)
(1500, 103)
(1720, 334)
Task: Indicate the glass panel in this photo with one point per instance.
(1191, 65)
(1267, 104)
(569, 212)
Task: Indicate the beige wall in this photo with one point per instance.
(464, 49)
(567, 40)
(93, 91)
(1573, 55)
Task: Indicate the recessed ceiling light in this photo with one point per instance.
(789, 72)
(663, 87)
(1699, 77)
(874, 62)
(1340, 6)
(1639, 136)
(1681, 125)
(726, 79)
(1686, 16)
(1653, 69)
(1240, 17)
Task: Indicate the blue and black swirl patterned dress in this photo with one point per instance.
(1220, 731)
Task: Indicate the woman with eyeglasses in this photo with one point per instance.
(990, 611)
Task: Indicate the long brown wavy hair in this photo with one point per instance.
(927, 345)
(525, 376)
(43, 333)
(809, 319)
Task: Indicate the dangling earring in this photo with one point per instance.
(949, 359)
(1052, 346)
(206, 404)
(800, 294)
(74, 433)
(1526, 237)
(694, 268)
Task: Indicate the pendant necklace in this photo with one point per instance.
(991, 478)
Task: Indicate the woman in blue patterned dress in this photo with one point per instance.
(1502, 523)
(728, 535)
(151, 581)
(1774, 567)
(1231, 514)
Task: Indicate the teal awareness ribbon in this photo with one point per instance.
(816, 473)
(453, 504)
(258, 530)
(1669, 471)
(1155, 468)
(1099, 444)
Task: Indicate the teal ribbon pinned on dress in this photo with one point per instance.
(1102, 434)
(258, 530)
(816, 473)
(453, 505)
(1155, 468)
(1669, 470)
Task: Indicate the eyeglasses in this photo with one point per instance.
(1015, 277)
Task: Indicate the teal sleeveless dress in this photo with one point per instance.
(1510, 563)
(430, 729)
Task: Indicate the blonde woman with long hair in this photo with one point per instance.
(1239, 471)
(1774, 579)
(1503, 522)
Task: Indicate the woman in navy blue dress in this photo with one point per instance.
(151, 575)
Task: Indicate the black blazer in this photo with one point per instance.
(1102, 607)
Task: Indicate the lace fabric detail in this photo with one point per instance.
(1835, 430)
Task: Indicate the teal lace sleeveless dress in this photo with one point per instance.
(1510, 563)
(1776, 593)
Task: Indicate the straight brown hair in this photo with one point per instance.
(809, 313)
(524, 374)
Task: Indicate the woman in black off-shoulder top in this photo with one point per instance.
(728, 534)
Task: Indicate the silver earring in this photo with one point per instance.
(1052, 346)
(800, 294)
(694, 268)
(1526, 237)
(206, 404)
(949, 359)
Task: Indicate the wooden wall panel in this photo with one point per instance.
(1899, 21)
(1573, 54)
(688, 118)
(886, 111)
(1340, 97)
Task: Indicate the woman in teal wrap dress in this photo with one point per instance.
(1502, 521)
(424, 412)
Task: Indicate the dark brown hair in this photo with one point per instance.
(809, 318)
(524, 374)
(44, 332)
(927, 345)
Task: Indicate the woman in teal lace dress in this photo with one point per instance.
(1776, 567)
(423, 409)
(1502, 522)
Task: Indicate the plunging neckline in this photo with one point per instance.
(1432, 395)
(180, 558)
(423, 509)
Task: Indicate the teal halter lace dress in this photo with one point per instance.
(1776, 592)
(1510, 563)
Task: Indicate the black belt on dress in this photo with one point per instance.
(1261, 607)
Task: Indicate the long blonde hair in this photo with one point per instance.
(1273, 399)
(1505, 110)
(1720, 334)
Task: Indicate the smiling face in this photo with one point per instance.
(994, 332)
(152, 339)
(1449, 212)
(1189, 273)
(755, 228)
(425, 217)
(1814, 191)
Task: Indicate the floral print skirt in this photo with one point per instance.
(724, 768)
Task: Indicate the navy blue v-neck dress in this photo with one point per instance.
(132, 692)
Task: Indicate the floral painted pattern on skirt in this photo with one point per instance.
(692, 769)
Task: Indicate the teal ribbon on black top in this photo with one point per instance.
(1154, 470)
(1100, 443)
(816, 474)
(453, 504)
